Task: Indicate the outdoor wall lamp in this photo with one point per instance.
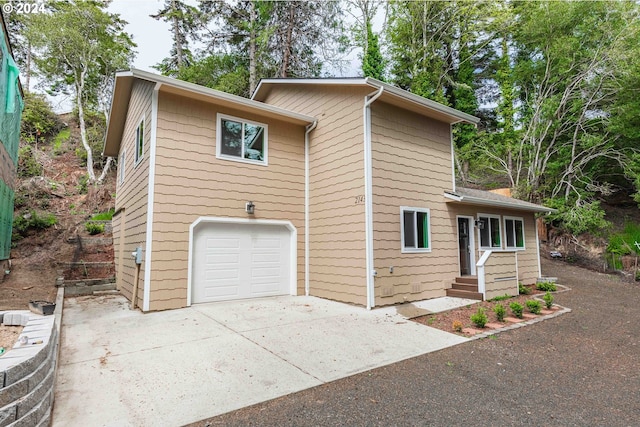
(250, 208)
(480, 224)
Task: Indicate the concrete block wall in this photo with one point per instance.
(27, 372)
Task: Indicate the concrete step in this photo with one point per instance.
(74, 288)
(458, 293)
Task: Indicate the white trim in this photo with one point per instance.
(492, 248)
(307, 133)
(469, 200)
(265, 147)
(146, 303)
(506, 245)
(136, 159)
(293, 262)
(368, 196)
(482, 286)
(535, 226)
(472, 243)
(415, 250)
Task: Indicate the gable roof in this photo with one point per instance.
(122, 95)
(390, 94)
(487, 198)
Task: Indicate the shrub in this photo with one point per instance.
(457, 326)
(500, 311)
(534, 306)
(62, 137)
(32, 220)
(94, 227)
(480, 318)
(28, 165)
(546, 286)
(522, 289)
(548, 299)
(83, 183)
(516, 309)
(38, 118)
(500, 298)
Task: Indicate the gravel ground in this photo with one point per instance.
(579, 369)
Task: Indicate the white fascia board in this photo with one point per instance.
(216, 94)
(496, 203)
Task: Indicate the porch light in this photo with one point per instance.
(480, 224)
(250, 208)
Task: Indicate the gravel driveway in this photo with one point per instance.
(579, 369)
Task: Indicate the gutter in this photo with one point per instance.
(308, 130)
(368, 196)
(496, 203)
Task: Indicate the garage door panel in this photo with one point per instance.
(233, 261)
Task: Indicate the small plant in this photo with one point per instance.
(534, 306)
(31, 220)
(500, 311)
(516, 309)
(480, 318)
(546, 286)
(500, 298)
(104, 216)
(83, 184)
(522, 289)
(548, 300)
(637, 275)
(457, 326)
(94, 227)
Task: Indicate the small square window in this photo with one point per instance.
(241, 140)
(139, 142)
(514, 231)
(490, 233)
(416, 230)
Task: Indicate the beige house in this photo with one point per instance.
(338, 188)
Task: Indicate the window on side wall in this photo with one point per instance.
(121, 166)
(514, 232)
(416, 229)
(490, 235)
(241, 140)
(139, 142)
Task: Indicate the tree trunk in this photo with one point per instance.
(252, 47)
(176, 37)
(83, 127)
(286, 57)
(27, 77)
(105, 170)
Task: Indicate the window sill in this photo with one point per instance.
(241, 160)
(415, 251)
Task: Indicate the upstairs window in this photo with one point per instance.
(139, 142)
(416, 230)
(241, 140)
(490, 236)
(514, 232)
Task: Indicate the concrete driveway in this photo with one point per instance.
(119, 367)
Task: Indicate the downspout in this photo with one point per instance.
(309, 128)
(453, 159)
(368, 196)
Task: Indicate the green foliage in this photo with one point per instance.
(32, 221)
(480, 318)
(546, 286)
(38, 118)
(225, 72)
(60, 139)
(501, 297)
(500, 311)
(516, 309)
(94, 227)
(104, 216)
(83, 183)
(548, 300)
(372, 62)
(534, 306)
(523, 290)
(28, 165)
(624, 243)
(578, 217)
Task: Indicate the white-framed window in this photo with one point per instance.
(415, 229)
(241, 140)
(139, 142)
(514, 232)
(121, 165)
(490, 231)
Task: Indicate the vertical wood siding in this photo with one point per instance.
(336, 162)
(191, 182)
(131, 195)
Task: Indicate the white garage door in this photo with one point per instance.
(235, 261)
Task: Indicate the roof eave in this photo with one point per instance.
(469, 200)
